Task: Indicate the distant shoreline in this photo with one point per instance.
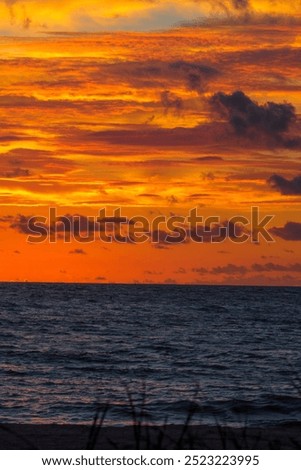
(76, 437)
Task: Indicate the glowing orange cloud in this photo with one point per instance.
(32, 17)
(157, 123)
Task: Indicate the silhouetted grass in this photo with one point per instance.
(158, 437)
(96, 426)
(190, 435)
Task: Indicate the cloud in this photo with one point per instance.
(16, 173)
(7, 219)
(77, 252)
(209, 159)
(227, 6)
(75, 224)
(285, 186)
(136, 15)
(248, 118)
(126, 138)
(14, 137)
(290, 232)
(22, 224)
(218, 231)
(171, 101)
(153, 273)
(199, 195)
(209, 176)
(261, 280)
(230, 269)
(180, 270)
(240, 270)
(202, 234)
(31, 102)
(246, 12)
(195, 74)
(152, 73)
(24, 162)
(162, 238)
(145, 136)
(170, 281)
(200, 271)
(240, 4)
(150, 195)
(269, 267)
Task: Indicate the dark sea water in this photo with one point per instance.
(232, 352)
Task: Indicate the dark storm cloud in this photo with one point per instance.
(245, 115)
(290, 232)
(285, 186)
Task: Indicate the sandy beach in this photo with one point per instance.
(77, 437)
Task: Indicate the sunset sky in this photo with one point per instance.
(155, 107)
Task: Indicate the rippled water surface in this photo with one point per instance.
(233, 352)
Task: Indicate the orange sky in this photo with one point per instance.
(106, 106)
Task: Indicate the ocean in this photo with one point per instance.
(232, 354)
